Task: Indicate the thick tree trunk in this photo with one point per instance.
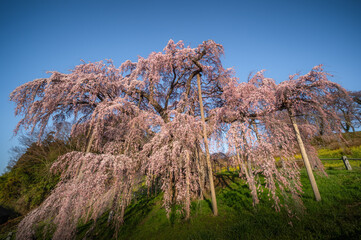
(208, 157)
(305, 157)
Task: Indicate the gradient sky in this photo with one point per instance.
(282, 37)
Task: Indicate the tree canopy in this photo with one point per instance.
(148, 122)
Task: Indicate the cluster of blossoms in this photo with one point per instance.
(84, 178)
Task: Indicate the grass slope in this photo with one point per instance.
(337, 216)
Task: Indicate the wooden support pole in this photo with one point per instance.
(305, 157)
(208, 157)
(347, 163)
(188, 197)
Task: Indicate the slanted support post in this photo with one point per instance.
(347, 163)
(304, 156)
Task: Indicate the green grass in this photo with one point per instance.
(337, 216)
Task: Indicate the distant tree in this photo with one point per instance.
(349, 108)
(356, 97)
(28, 180)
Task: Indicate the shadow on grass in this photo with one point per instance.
(337, 216)
(135, 214)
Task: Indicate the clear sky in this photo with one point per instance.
(282, 37)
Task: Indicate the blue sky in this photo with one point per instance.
(282, 37)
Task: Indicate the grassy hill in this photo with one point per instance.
(337, 216)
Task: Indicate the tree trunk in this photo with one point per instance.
(208, 157)
(305, 157)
